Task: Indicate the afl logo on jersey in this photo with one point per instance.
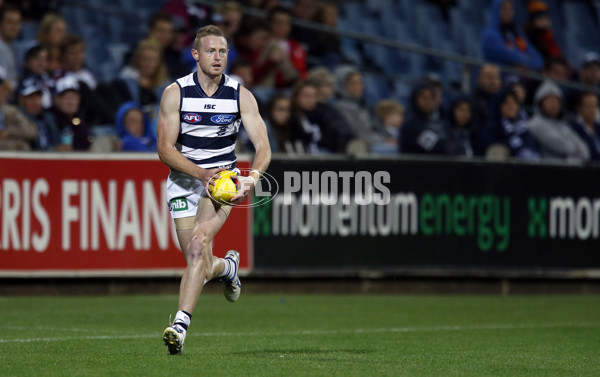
(222, 119)
(191, 118)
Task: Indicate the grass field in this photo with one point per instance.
(304, 335)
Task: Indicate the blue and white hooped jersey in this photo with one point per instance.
(209, 125)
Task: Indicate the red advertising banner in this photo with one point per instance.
(86, 214)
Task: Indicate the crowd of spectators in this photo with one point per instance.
(311, 97)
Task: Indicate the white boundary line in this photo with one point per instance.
(293, 333)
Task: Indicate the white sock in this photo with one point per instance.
(229, 270)
(182, 319)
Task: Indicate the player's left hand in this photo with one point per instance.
(246, 185)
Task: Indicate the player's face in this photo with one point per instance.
(211, 55)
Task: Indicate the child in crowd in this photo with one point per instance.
(134, 129)
(391, 115)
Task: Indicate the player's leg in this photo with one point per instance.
(202, 265)
(195, 236)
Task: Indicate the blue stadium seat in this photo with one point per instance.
(354, 12)
(376, 88)
(402, 92)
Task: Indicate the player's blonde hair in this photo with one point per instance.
(206, 31)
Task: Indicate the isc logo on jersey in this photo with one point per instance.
(191, 118)
(222, 118)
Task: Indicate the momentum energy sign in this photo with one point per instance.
(397, 214)
(95, 216)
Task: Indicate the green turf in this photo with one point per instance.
(304, 335)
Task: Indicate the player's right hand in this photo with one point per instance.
(208, 177)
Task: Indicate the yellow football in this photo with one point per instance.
(225, 187)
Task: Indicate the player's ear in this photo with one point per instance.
(195, 54)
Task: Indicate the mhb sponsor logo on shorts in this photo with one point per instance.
(178, 204)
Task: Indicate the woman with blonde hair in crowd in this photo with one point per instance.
(51, 33)
(146, 76)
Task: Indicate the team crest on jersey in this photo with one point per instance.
(222, 118)
(192, 118)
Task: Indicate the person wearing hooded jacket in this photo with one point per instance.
(507, 125)
(423, 132)
(503, 43)
(134, 128)
(551, 129)
(461, 118)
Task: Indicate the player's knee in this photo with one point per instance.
(197, 248)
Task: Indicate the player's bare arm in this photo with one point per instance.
(167, 133)
(257, 132)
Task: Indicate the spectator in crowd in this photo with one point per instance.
(228, 17)
(93, 107)
(144, 80)
(35, 72)
(134, 129)
(557, 69)
(589, 73)
(251, 45)
(31, 104)
(507, 126)
(551, 129)
(191, 14)
(323, 45)
(72, 52)
(351, 104)
(503, 43)
(489, 83)
(304, 10)
(391, 114)
(160, 30)
(438, 94)
(241, 71)
(517, 86)
(539, 30)
(306, 135)
(16, 131)
(423, 132)
(336, 132)
(10, 28)
(74, 129)
(587, 124)
(51, 33)
(460, 117)
(278, 120)
(177, 55)
(283, 60)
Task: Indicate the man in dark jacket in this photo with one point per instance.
(422, 133)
